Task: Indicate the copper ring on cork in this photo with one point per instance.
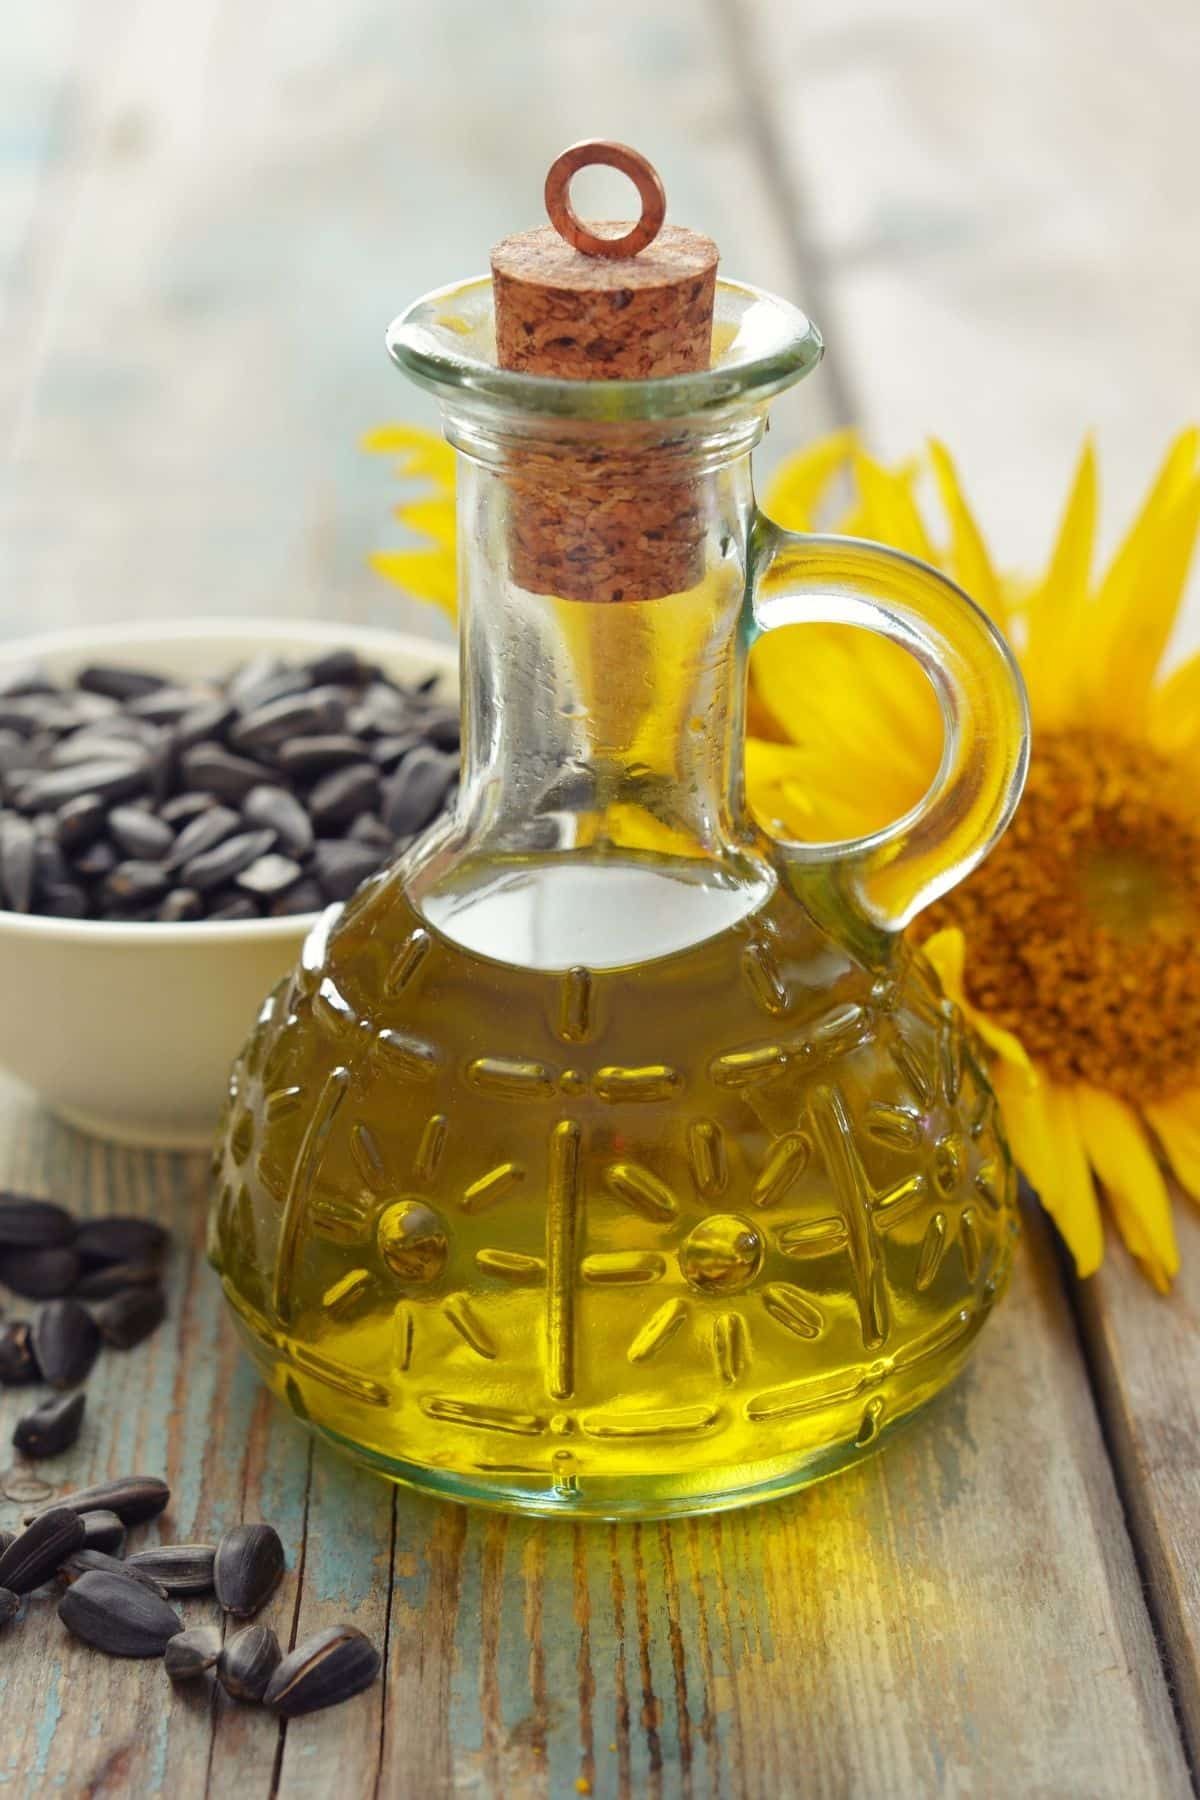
(645, 178)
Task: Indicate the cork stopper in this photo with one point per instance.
(618, 302)
(590, 305)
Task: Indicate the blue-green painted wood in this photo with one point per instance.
(881, 1633)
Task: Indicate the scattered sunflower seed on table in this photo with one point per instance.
(105, 1287)
(126, 796)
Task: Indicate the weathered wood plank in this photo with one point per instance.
(249, 197)
(952, 1616)
(884, 1631)
(976, 205)
(1146, 1353)
(1001, 207)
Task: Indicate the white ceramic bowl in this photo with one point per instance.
(129, 1031)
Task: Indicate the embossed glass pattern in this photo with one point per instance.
(605, 1156)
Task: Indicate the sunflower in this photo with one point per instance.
(1070, 948)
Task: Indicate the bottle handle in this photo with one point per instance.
(796, 579)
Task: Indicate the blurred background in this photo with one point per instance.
(209, 212)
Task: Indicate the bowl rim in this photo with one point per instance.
(85, 641)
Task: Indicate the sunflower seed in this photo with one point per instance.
(305, 897)
(121, 1238)
(213, 868)
(165, 706)
(180, 905)
(341, 796)
(135, 883)
(63, 900)
(34, 1224)
(18, 1364)
(304, 758)
(345, 666)
(102, 1531)
(127, 1318)
(99, 859)
(231, 907)
(139, 833)
(248, 1567)
(384, 709)
(442, 728)
(66, 1342)
(84, 1561)
(325, 1669)
(189, 1653)
(367, 829)
(117, 1615)
(6, 1538)
(341, 865)
(49, 864)
(203, 723)
(133, 1498)
(39, 1550)
(186, 807)
(262, 679)
(269, 875)
(106, 1279)
(10, 1605)
(206, 765)
(17, 842)
(116, 683)
(387, 752)
(292, 716)
(105, 744)
(51, 1427)
(182, 1568)
(415, 793)
(202, 833)
(247, 1662)
(274, 809)
(110, 778)
(40, 1274)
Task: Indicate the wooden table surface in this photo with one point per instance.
(208, 212)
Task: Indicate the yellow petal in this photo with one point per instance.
(1175, 710)
(854, 692)
(1136, 640)
(422, 453)
(887, 497)
(970, 564)
(1177, 1123)
(426, 574)
(1046, 1144)
(946, 950)
(1118, 1151)
(1055, 608)
(1077, 1192)
(799, 484)
(429, 518)
(797, 792)
(1131, 573)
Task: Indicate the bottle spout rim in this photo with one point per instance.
(762, 344)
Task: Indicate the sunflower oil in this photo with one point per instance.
(684, 1221)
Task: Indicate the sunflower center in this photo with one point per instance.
(1079, 926)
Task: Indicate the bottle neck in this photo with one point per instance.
(613, 726)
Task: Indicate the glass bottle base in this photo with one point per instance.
(658, 1495)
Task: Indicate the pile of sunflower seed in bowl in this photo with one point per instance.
(99, 1282)
(127, 796)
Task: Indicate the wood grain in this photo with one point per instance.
(1144, 1351)
(883, 1632)
(1002, 221)
(206, 217)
